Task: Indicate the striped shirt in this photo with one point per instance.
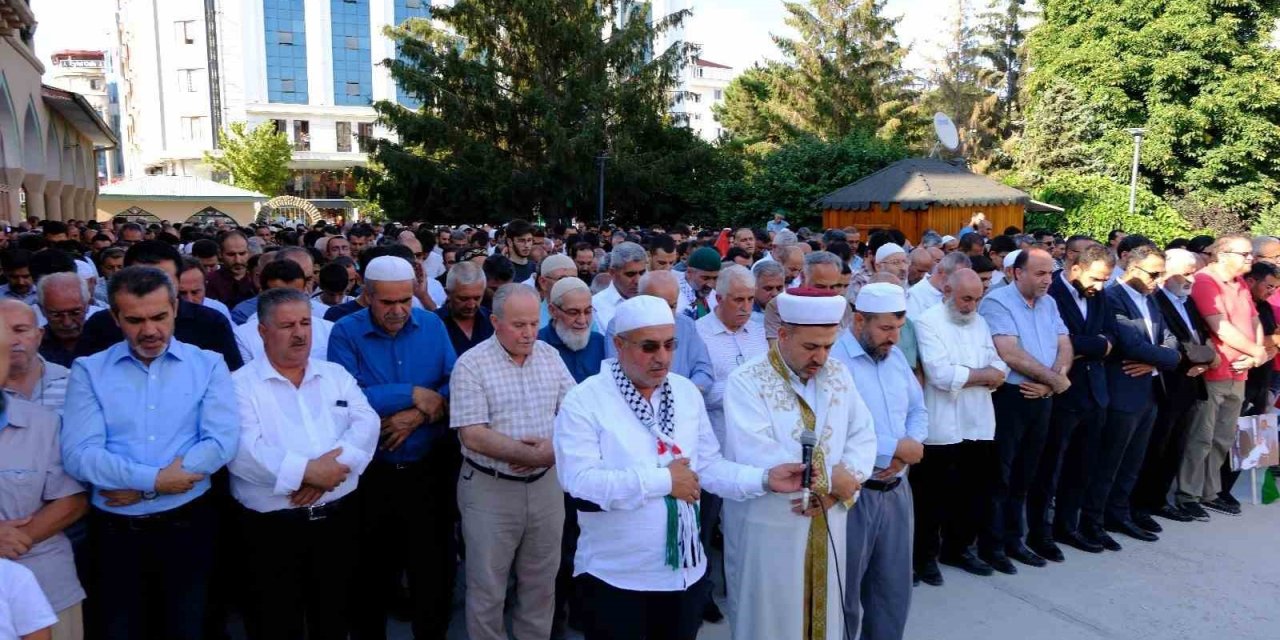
(727, 351)
(51, 391)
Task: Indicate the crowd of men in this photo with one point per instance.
(312, 429)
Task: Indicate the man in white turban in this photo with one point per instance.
(634, 449)
(783, 578)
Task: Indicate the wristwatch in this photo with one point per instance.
(149, 495)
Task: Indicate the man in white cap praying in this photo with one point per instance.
(878, 556)
(634, 449)
(780, 552)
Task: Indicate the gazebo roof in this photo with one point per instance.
(919, 183)
(176, 188)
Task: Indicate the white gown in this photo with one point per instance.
(764, 541)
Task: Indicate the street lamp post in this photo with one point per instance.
(1133, 179)
(600, 160)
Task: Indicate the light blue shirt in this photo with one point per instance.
(125, 421)
(776, 226)
(1036, 327)
(691, 358)
(891, 392)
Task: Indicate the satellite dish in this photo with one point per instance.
(946, 130)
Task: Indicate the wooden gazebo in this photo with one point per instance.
(922, 193)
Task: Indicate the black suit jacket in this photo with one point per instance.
(1181, 388)
(1129, 393)
(195, 325)
(1089, 339)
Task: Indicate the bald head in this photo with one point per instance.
(962, 294)
(921, 263)
(11, 308)
(662, 284)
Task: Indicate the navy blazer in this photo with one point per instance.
(1180, 389)
(196, 325)
(1128, 393)
(1089, 340)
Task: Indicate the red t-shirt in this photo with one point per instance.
(1233, 301)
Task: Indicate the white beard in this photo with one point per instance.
(576, 341)
(961, 319)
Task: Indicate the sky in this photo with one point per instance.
(732, 32)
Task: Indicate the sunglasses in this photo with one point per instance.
(652, 346)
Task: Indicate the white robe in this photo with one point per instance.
(764, 541)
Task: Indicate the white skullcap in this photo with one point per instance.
(1010, 257)
(322, 243)
(946, 239)
(565, 286)
(389, 269)
(811, 309)
(881, 297)
(640, 312)
(887, 249)
(85, 270)
(556, 262)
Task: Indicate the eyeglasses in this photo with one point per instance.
(574, 314)
(1247, 255)
(1155, 275)
(652, 346)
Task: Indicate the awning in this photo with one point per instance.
(76, 110)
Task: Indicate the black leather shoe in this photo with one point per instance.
(1169, 512)
(968, 562)
(1133, 531)
(1079, 541)
(1100, 538)
(929, 574)
(1022, 554)
(1147, 523)
(999, 563)
(711, 613)
(1227, 498)
(1046, 549)
(1221, 506)
(1194, 510)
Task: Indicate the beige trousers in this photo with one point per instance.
(1209, 438)
(510, 527)
(70, 624)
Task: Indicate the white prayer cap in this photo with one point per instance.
(946, 239)
(881, 297)
(565, 286)
(85, 270)
(640, 312)
(389, 269)
(887, 249)
(556, 262)
(811, 306)
(322, 243)
(1010, 257)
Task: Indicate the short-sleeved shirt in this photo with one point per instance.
(1232, 300)
(517, 400)
(23, 609)
(1036, 327)
(31, 476)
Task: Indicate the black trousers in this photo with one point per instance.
(568, 603)
(408, 519)
(950, 489)
(152, 573)
(1062, 469)
(611, 613)
(1164, 454)
(301, 569)
(1022, 424)
(1118, 456)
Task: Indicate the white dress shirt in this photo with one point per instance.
(606, 456)
(1081, 302)
(605, 303)
(727, 351)
(433, 265)
(283, 427)
(921, 297)
(217, 305)
(1180, 305)
(1140, 301)
(949, 352)
(249, 341)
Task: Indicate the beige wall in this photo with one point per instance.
(174, 210)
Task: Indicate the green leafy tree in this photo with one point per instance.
(519, 98)
(1198, 75)
(1094, 205)
(1061, 135)
(257, 159)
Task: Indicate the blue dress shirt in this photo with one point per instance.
(891, 392)
(581, 364)
(1037, 328)
(389, 367)
(690, 360)
(241, 313)
(125, 421)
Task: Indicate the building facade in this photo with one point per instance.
(702, 87)
(48, 136)
(87, 72)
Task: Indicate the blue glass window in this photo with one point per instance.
(352, 64)
(406, 9)
(285, 33)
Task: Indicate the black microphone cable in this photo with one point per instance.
(839, 582)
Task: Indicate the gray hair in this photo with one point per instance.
(931, 239)
(1260, 242)
(821, 257)
(1024, 238)
(627, 252)
(508, 291)
(731, 274)
(1178, 258)
(953, 262)
(785, 237)
(655, 277)
(768, 269)
(63, 278)
(463, 273)
(270, 299)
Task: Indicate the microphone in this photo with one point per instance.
(808, 440)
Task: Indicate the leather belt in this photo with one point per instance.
(180, 516)
(882, 485)
(506, 476)
(314, 512)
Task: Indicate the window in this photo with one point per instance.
(364, 136)
(287, 86)
(95, 84)
(353, 42)
(353, 88)
(282, 126)
(413, 4)
(719, 95)
(407, 10)
(301, 135)
(352, 52)
(344, 136)
(284, 37)
(184, 31)
(193, 128)
(188, 79)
